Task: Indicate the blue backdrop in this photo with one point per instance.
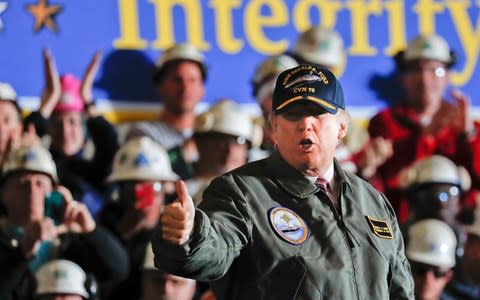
(235, 36)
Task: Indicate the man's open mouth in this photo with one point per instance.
(306, 142)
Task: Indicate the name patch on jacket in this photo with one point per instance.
(380, 228)
(288, 225)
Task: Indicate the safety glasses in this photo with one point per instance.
(436, 193)
(146, 193)
(422, 269)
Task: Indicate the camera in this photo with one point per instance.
(54, 206)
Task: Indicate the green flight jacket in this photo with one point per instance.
(358, 254)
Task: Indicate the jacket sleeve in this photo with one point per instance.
(400, 276)
(100, 253)
(105, 139)
(14, 266)
(38, 121)
(222, 229)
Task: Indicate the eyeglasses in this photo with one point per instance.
(438, 72)
(431, 193)
(422, 269)
(435, 193)
(224, 139)
(145, 193)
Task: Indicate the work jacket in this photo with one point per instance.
(265, 231)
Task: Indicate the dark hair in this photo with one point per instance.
(159, 73)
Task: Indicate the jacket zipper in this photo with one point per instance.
(346, 237)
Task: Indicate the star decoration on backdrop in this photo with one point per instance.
(44, 15)
(3, 8)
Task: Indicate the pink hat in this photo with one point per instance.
(70, 99)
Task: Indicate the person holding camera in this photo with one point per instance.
(44, 222)
(82, 141)
(142, 178)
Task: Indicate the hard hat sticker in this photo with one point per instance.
(380, 228)
(141, 160)
(288, 225)
(29, 156)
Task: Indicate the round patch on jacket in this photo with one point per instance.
(288, 225)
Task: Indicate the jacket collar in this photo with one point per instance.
(294, 182)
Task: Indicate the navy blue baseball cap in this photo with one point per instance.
(308, 83)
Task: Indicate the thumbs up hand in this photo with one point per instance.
(178, 216)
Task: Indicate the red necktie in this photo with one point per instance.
(323, 184)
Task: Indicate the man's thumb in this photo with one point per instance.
(183, 196)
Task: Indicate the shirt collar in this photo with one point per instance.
(328, 175)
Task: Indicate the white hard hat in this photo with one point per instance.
(61, 277)
(267, 72)
(435, 169)
(182, 51)
(321, 46)
(33, 158)
(428, 47)
(432, 242)
(272, 66)
(142, 159)
(7, 92)
(226, 117)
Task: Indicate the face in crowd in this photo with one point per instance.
(10, 125)
(431, 251)
(144, 199)
(437, 201)
(67, 130)
(430, 281)
(181, 87)
(162, 286)
(425, 82)
(222, 152)
(23, 194)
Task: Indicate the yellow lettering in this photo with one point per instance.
(300, 90)
(396, 26)
(223, 15)
(426, 10)
(255, 22)
(360, 11)
(469, 38)
(129, 34)
(328, 19)
(324, 78)
(165, 24)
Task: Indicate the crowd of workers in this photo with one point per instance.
(79, 205)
